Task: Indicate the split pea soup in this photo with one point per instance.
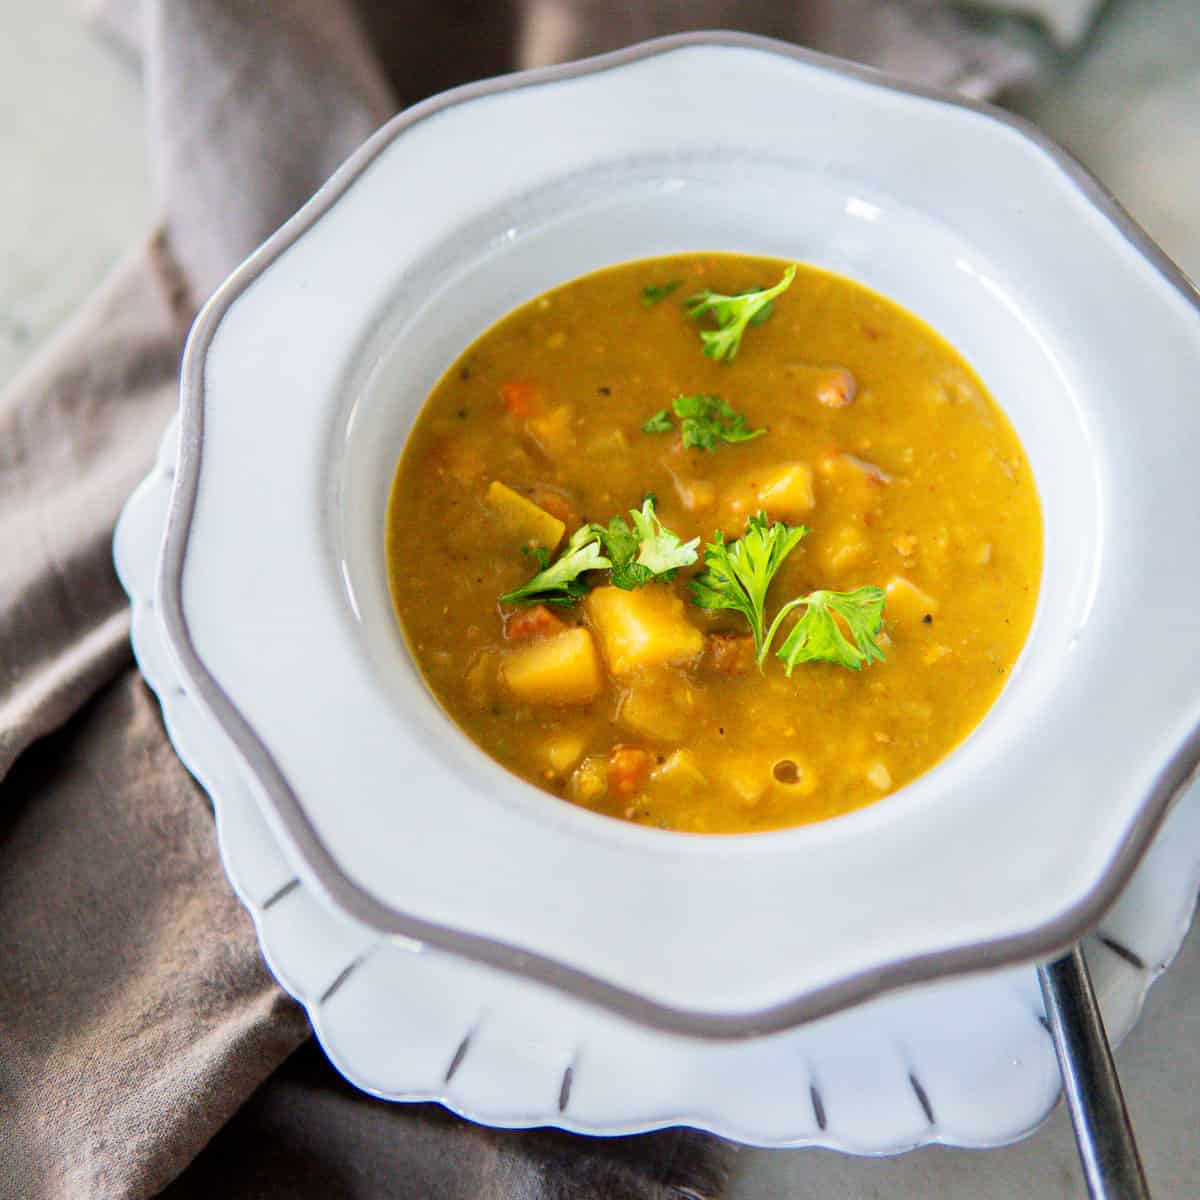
(714, 543)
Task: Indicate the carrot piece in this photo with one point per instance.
(628, 769)
(535, 622)
(556, 505)
(518, 398)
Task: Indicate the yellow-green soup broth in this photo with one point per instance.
(636, 702)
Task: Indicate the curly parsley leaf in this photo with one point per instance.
(738, 574)
(707, 421)
(733, 314)
(652, 293)
(621, 545)
(819, 635)
(661, 551)
(659, 423)
(647, 552)
(560, 583)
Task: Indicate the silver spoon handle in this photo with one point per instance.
(1107, 1149)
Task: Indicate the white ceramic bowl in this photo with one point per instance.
(305, 372)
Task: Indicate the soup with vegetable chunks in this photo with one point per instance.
(714, 543)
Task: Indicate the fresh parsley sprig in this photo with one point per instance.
(647, 552)
(738, 574)
(705, 421)
(818, 636)
(837, 627)
(732, 315)
(636, 556)
(652, 293)
(661, 422)
(560, 583)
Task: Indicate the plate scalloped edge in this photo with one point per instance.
(504, 1052)
(290, 817)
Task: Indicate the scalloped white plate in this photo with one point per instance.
(303, 375)
(966, 1062)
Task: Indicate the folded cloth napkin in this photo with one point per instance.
(1066, 20)
(136, 1017)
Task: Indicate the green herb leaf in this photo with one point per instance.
(706, 421)
(764, 314)
(647, 552)
(738, 573)
(621, 545)
(732, 315)
(819, 636)
(659, 423)
(652, 293)
(560, 584)
(661, 551)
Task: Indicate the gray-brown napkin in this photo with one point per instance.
(136, 1017)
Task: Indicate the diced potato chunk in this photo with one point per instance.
(784, 492)
(563, 669)
(845, 547)
(748, 778)
(521, 519)
(680, 773)
(642, 628)
(589, 781)
(657, 708)
(552, 430)
(563, 750)
(879, 776)
(908, 603)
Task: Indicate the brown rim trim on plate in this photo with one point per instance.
(1039, 943)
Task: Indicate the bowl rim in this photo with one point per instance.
(1040, 942)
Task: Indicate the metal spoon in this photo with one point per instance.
(1112, 1166)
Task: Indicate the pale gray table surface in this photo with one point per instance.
(75, 193)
